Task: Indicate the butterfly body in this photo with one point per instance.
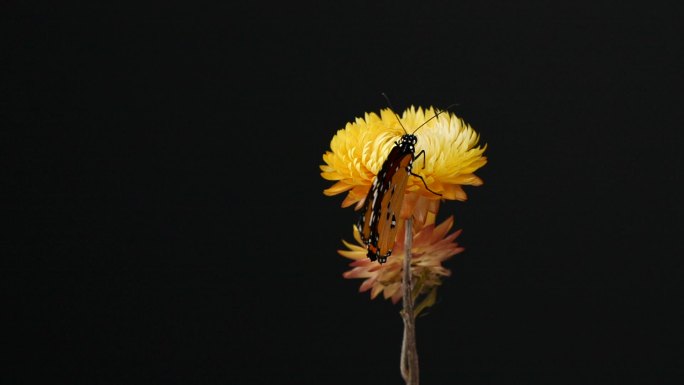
(378, 221)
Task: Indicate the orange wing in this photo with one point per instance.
(378, 222)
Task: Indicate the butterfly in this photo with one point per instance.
(377, 223)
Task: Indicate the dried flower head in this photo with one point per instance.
(358, 151)
(452, 155)
(431, 246)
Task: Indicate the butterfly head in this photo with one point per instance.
(408, 142)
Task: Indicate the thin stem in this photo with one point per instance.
(409, 351)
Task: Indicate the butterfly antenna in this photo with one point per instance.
(436, 115)
(395, 114)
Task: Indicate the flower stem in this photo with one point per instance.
(409, 351)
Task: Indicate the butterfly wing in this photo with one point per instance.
(389, 208)
(364, 223)
(378, 222)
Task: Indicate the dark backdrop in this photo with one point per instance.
(165, 222)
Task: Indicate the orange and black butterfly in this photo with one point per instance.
(377, 224)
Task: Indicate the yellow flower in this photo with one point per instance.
(431, 246)
(358, 151)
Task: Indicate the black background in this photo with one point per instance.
(164, 214)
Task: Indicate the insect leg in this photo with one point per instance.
(419, 154)
(425, 184)
(421, 178)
